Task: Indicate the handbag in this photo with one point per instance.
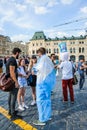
(75, 80)
(6, 82)
(30, 80)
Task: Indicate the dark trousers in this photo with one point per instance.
(86, 71)
(65, 85)
(82, 80)
(12, 100)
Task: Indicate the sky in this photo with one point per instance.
(20, 19)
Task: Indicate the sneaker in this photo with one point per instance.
(21, 108)
(25, 106)
(33, 103)
(37, 122)
(15, 117)
(65, 101)
(16, 111)
(72, 102)
(9, 113)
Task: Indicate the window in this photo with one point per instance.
(74, 50)
(49, 50)
(73, 42)
(40, 44)
(36, 44)
(83, 50)
(57, 50)
(23, 53)
(70, 50)
(81, 57)
(79, 50)
(48, 44)
(54, 50)
(70, 42)
(7, 52)
(81, 42)
(33, 52)
(72, 57)
(33, 44)
(55, 43)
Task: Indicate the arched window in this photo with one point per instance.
(81, 57)
(37, 44)
(74, 50)
(54, 50)
(83, 50)
(49, 50)
(70, 50)
(40, 44)
(79, 50)
(57, 50)
(33, 51)
(72, 57)
(7, 52)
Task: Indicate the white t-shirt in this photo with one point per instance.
(22, 80)
(66, 67)
(21, 71)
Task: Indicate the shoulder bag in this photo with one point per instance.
(6, 82)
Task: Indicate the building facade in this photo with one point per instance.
(77, 46)
(6, 46)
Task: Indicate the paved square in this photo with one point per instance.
(64, 117)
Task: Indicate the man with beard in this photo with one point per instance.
(11, 69)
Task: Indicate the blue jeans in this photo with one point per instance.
(12, 101)
(82, 80)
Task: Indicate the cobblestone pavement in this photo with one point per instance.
(64, 117)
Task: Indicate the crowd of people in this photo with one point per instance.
(39, 72)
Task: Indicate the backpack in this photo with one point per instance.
(1, 63)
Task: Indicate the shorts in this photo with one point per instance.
(22, 83)
(33, 83)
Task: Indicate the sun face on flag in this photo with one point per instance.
(63, 47)
(64, 55)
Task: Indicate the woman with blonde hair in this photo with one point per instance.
(33, 61)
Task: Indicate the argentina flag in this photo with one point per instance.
(46, 79)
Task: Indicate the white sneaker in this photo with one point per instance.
(33, 103)
(21, 108)
(25, 106)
